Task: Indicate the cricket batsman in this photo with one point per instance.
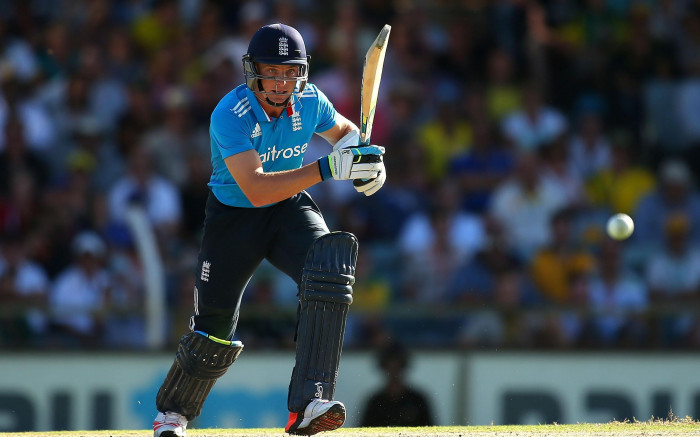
(257, 209)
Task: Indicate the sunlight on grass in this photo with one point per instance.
(670, 426)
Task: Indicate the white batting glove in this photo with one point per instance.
(352, 163)
(370, 186)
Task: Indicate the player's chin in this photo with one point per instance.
(278, 97)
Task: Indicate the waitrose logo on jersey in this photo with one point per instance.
(273, 154)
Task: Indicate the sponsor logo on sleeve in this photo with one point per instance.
(256, 131)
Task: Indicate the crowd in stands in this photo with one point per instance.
(513, 129)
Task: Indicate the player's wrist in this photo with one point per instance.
(324, 167)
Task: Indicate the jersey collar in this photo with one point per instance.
(260, 114)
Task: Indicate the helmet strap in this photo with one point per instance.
(270, 102)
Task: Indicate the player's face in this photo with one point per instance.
(279, 80)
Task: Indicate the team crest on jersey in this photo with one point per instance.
(206, 269)
(256, 131)
(296, 121)
(284, 46)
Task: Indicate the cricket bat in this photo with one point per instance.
(371, 77)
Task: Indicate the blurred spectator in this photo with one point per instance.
(525, 203)
(406, 112)
(24, 289)
(410, 50)
(396, 403)
(159, 27)
(72, 106)
(589, 148)
(676, 194)
(106, 96)
(618, 300)
(619, 187)
(447, 134)
(18, 101)
(230, 47)
(503, 95)
(80, 294)
(476, 280)
(536, 124)
(665, 19)
(631, 63)
(662, 118)
(90, 150)
(461, 38)
(673, 274)
(503, 323)
(688, 41)
(428, 273)
(138, 118)
(18, 56)
(572, 326)
(553, 267)
(121, 64)
(338, 80)
(20, 208)
(509, 26)
(56, 52)
(463, 232)
(555, 160)
(140, 186)
(479, 171)
(172, 143)
(17, 157)
(493, 287)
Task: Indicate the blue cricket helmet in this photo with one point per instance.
(276, 44)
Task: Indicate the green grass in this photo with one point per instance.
(672, 427)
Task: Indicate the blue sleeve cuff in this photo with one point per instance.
(325, 168)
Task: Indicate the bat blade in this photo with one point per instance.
(371, 77)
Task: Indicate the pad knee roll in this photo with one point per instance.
(325, 295)
(199, 362)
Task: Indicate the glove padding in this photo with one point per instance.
(366, 186)
(352, 163)
(370, 186)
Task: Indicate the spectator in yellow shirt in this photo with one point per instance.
(554, 266)
(446, 135)
(620, 187)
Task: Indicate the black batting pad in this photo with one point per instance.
(199, 362)
(325, 295)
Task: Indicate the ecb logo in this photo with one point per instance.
(296, 122)
(284, 47)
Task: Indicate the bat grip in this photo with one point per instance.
(364, 143)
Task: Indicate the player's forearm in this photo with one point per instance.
(274, 187)
(342, 127)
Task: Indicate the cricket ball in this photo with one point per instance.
(620, 226)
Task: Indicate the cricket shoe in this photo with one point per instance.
(169, 424)
(319, 415)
